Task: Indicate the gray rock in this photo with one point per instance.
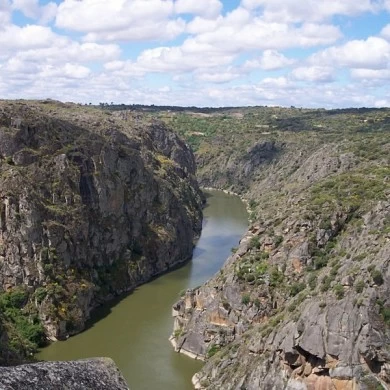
(89, 374)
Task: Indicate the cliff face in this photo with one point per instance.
(91, 205)
(303, 303)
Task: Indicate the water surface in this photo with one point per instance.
(135, 331)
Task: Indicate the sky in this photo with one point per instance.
(303, 53)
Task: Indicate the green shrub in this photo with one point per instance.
(15, 298)
(326, 281)
(312, 282)
(325, 224)
(253, 203)
(276, 277)
(275, 320)
(27, 332)
(339, 291)
(250, 278)
(264, 255)
(334, 271)
(40, 294)
(385, 312)
(278, 240)
(360, 257)
(296, 288)
(245, 300)
(254, 242)
(377, 277)
(320, 261)
(292, 307)
(261, 268)
(359, 286)
(177, 333)
(213, 350)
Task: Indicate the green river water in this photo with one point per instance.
(134, 331)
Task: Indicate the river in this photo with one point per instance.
(134, 331)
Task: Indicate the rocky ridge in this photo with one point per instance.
(92, 204)
(303, 303)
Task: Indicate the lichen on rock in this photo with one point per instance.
(88, 374)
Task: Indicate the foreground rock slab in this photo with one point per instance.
(88, 374)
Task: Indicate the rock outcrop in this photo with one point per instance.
(89, 374)
(92, 204)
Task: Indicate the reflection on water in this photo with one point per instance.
(134, 331)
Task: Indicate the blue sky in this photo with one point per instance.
(312, 53)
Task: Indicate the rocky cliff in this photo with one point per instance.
(89, 374)
(303, 302)
(91, 205)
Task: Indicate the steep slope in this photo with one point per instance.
(303, 303)
(91, 205)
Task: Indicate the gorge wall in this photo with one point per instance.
(92, 204)
(303, 302)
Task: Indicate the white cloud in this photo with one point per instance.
(180, 59)
(174, 60)
(276, 82)
(114, 65)
(160, 30)
(72, 51)
(13, 38)
(219, 76)
(372, 53)
(238, 32)
(309, 10)
(100, 15)
(18, 66)
(124, 69)
(385, 33)
(38, 43)
(270, 60)
(371, 74)
(205, 8)
(125, 20)
(72, 71)
(5, 13)
(201, 25)
(32, 9)
(314, 74)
